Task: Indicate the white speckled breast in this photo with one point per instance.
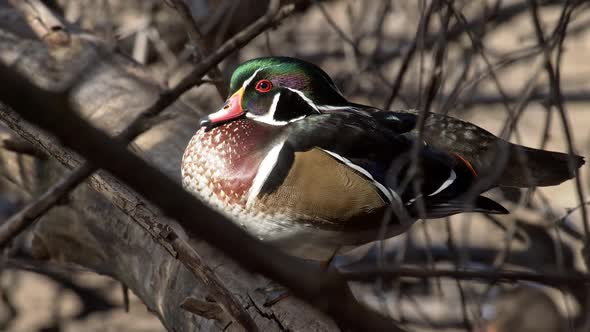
(219, 165)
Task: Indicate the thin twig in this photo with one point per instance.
(557, 99)
(20, 146)
(411, 49)
(551, 278)
(199, 43)
(502, 15)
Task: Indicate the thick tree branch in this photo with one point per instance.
(32, 211)
(146, 218)
(327, 290)
(27, 216)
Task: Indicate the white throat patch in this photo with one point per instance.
(249, 79)
(268, 118)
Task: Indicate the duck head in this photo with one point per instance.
(276, 91)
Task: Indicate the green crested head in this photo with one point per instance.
(292, 73)
(277, 91)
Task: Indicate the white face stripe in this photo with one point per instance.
(273, 106)
(334, 108)
(249, 79)
(382, 188)
(348, 108)
(264, 170)
(412, 200)
(264, 119)
(307, 100)
(268, 117)
(446, 184)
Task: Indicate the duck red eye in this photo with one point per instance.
(263, 86)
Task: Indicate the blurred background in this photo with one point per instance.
(492, 70)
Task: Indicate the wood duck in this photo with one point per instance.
(292, 161)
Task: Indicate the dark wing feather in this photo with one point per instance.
(382, 151)
(521, 166)
(441, 209)
(347, 134)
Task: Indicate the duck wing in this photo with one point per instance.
(484, 152)
(381, 155)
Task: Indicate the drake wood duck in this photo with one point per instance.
(292, 161)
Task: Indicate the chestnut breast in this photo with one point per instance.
(224, 160)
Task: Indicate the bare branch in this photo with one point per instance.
(557, 97)
(46, 25)
(411, 49)
(198, 43)
(20, 146)
(571, 278)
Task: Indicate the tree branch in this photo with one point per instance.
(326, 290)
(199, 44)
(572, 278)
(46, 25)
(557, 97)
(20, 221)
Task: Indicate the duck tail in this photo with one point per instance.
(528, 167)
(481, 151)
